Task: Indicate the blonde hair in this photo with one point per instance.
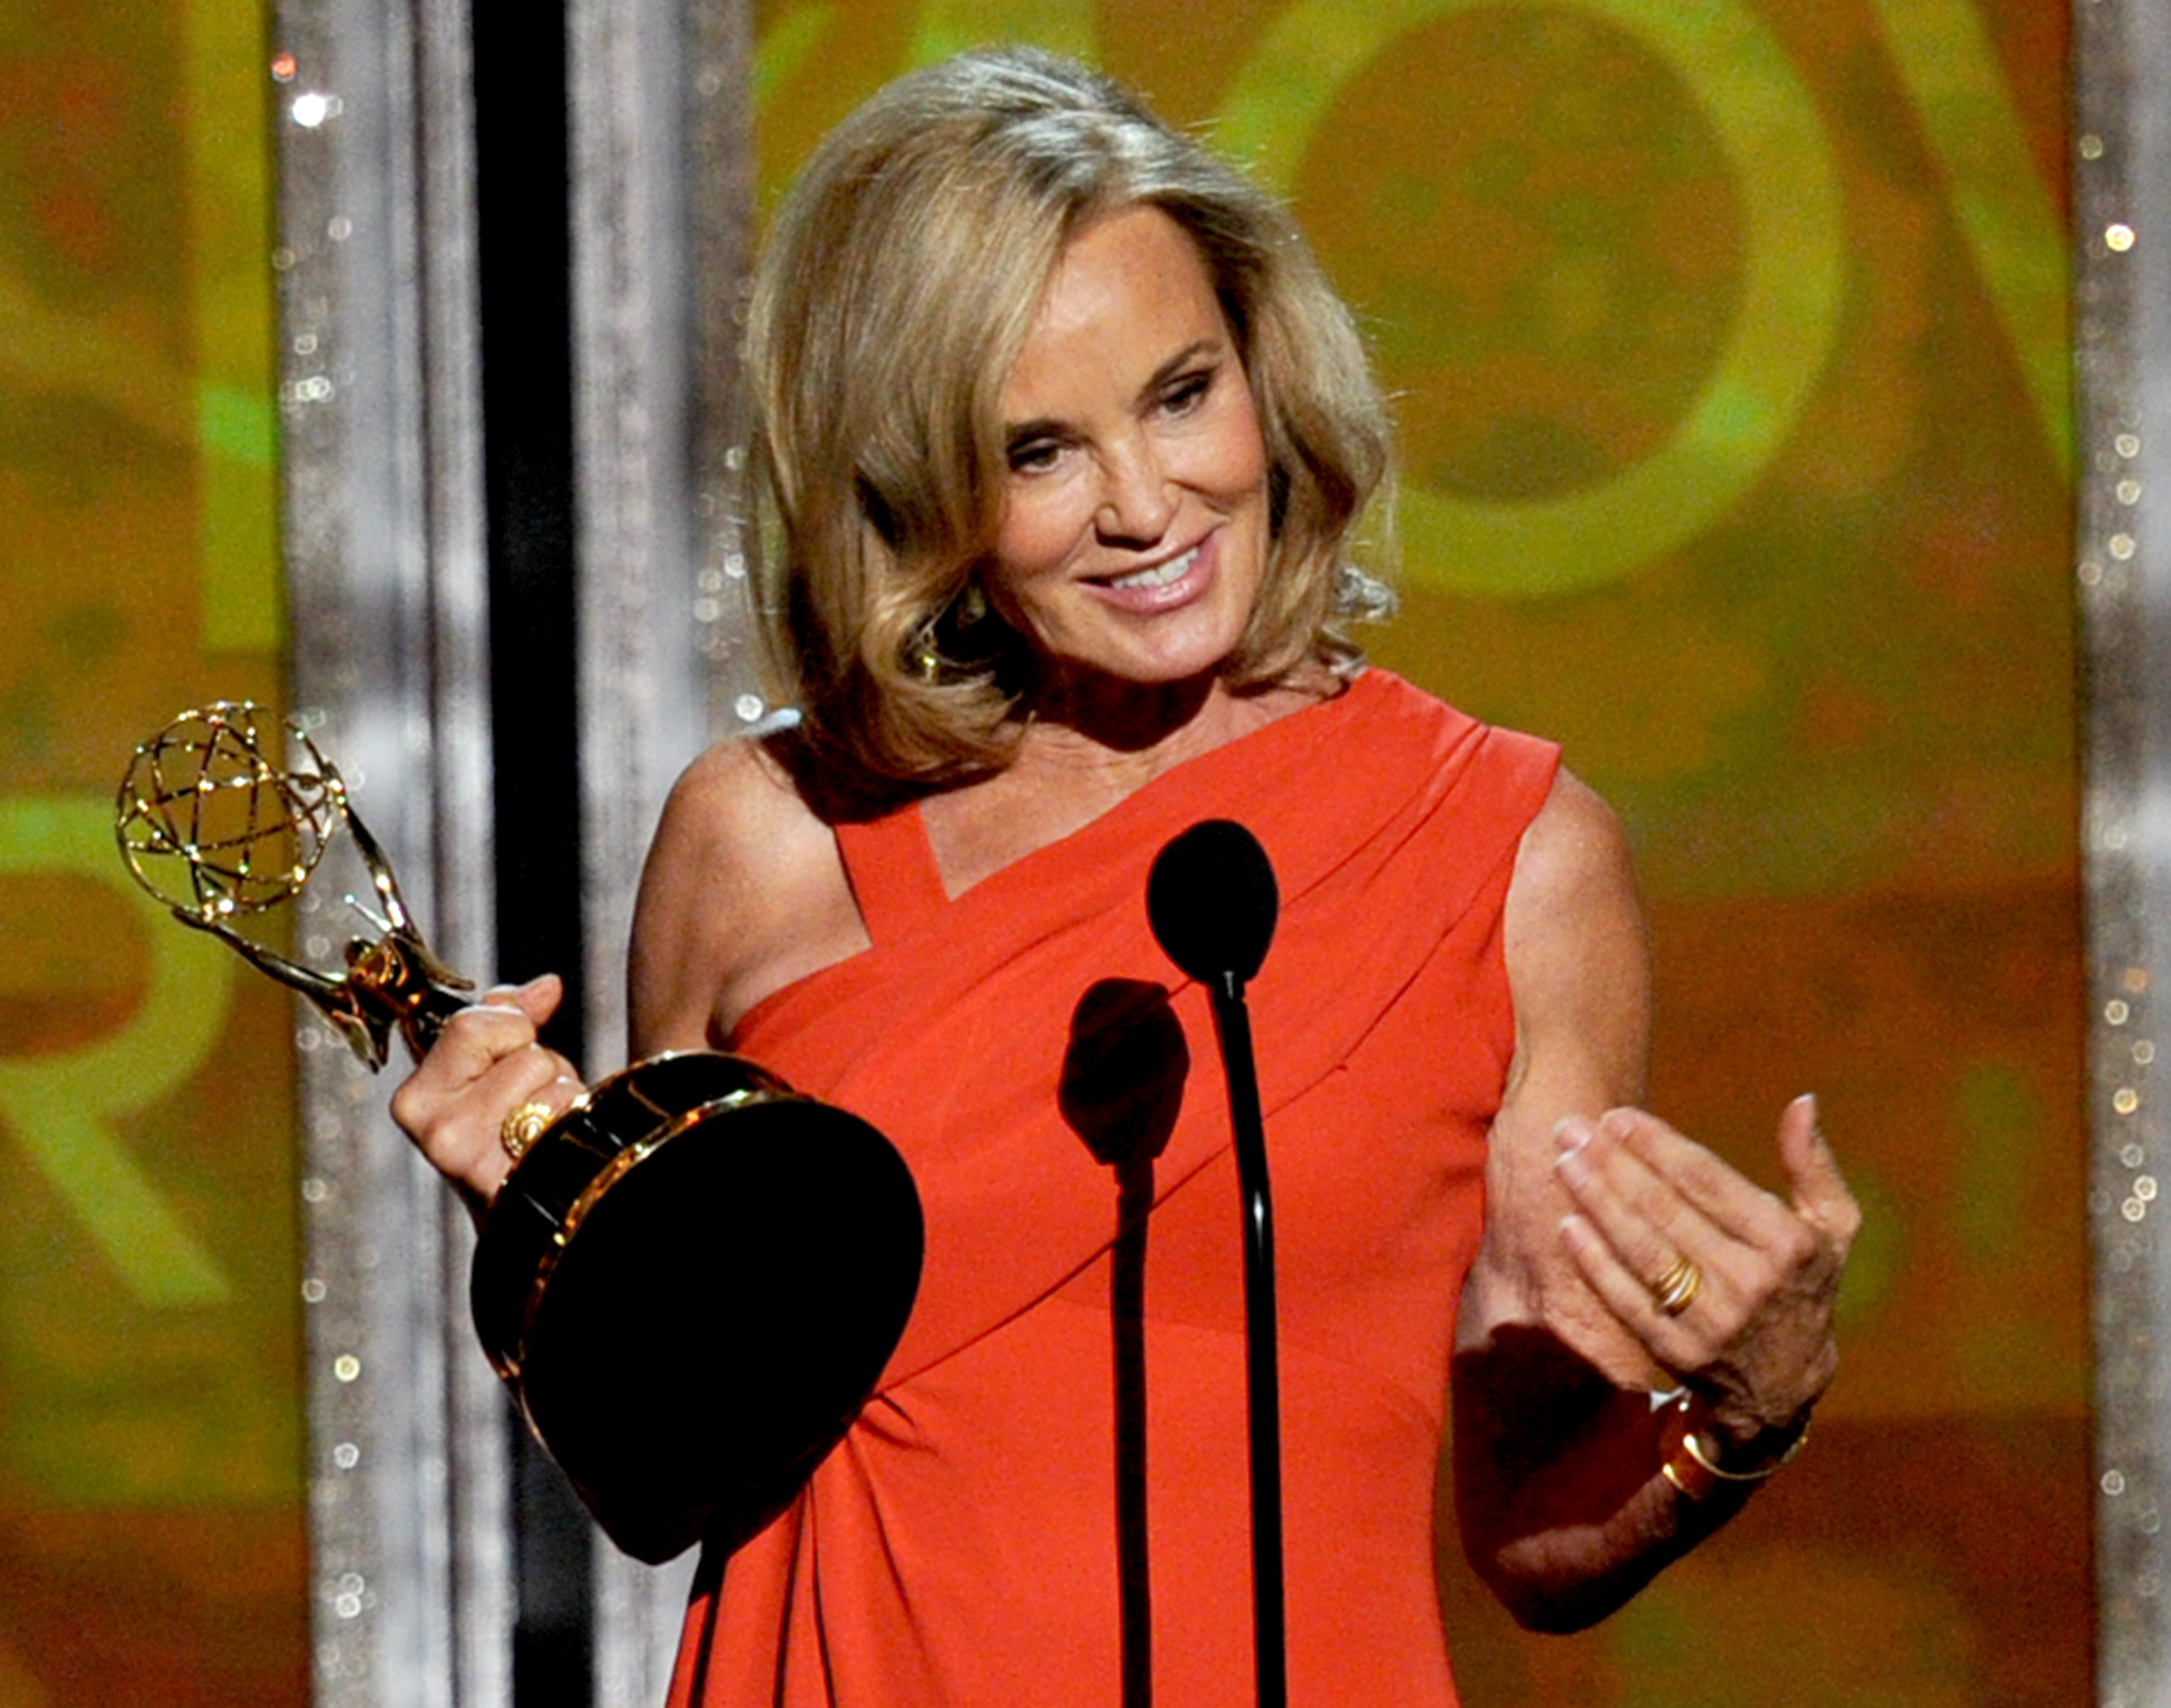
(901, 277)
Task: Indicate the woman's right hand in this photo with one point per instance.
(487, 1063)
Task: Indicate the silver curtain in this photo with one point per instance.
(414, 1591)
(661, 208)
(2122, 245)
(383, 538)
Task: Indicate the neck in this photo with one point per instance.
(1126, 733)
(1123, 718)
(1080, 756)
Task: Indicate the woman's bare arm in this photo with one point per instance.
(743, 892)
(1559, 1338)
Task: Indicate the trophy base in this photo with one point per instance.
(693, 1280)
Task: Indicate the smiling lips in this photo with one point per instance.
(1162, 586)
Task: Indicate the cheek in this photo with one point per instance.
(1248, 472)
(1234, 459)
(1037, 533)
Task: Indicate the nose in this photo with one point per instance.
(1139, 497)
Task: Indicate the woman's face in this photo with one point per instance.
(1135, 526)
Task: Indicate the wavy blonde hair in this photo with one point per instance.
(901, 277)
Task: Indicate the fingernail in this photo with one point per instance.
(1571, 1133)
(1572, 1166)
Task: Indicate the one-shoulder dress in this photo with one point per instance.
(1046, 1500)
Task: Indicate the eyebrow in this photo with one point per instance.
(1013, 433)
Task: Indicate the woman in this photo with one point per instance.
(1064, 439)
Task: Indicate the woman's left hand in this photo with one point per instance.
(1749, 1326)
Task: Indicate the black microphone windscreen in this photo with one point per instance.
(1213, 901)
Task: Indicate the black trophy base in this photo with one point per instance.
(694, 1278)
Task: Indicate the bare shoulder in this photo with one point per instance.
(1576, 954)
(735, 800)
(1574, 862)
(742, 893)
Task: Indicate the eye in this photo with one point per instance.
(1189, 390)
(1034, 456)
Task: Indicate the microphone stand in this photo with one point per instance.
(1212, 899)
(1232, 1024)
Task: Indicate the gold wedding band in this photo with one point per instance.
(523, 1126)
(1675, 1291)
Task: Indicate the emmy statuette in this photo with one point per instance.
(693, 1275)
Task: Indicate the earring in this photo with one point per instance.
(943, 644)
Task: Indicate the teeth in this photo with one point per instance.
(1161, 575)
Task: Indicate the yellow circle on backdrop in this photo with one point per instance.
(1774, 140)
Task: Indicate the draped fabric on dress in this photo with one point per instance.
(1058, 1447)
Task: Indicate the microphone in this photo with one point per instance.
(1212, 902)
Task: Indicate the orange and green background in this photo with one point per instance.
(1728, 340)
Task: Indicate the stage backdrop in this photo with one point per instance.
(1728, 342)
(151, 1525)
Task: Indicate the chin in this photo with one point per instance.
(1160, 668)
(1199, 648)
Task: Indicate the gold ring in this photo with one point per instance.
(1675, 1291)
(523, 1126)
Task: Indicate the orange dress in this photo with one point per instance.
(1047, 1496)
